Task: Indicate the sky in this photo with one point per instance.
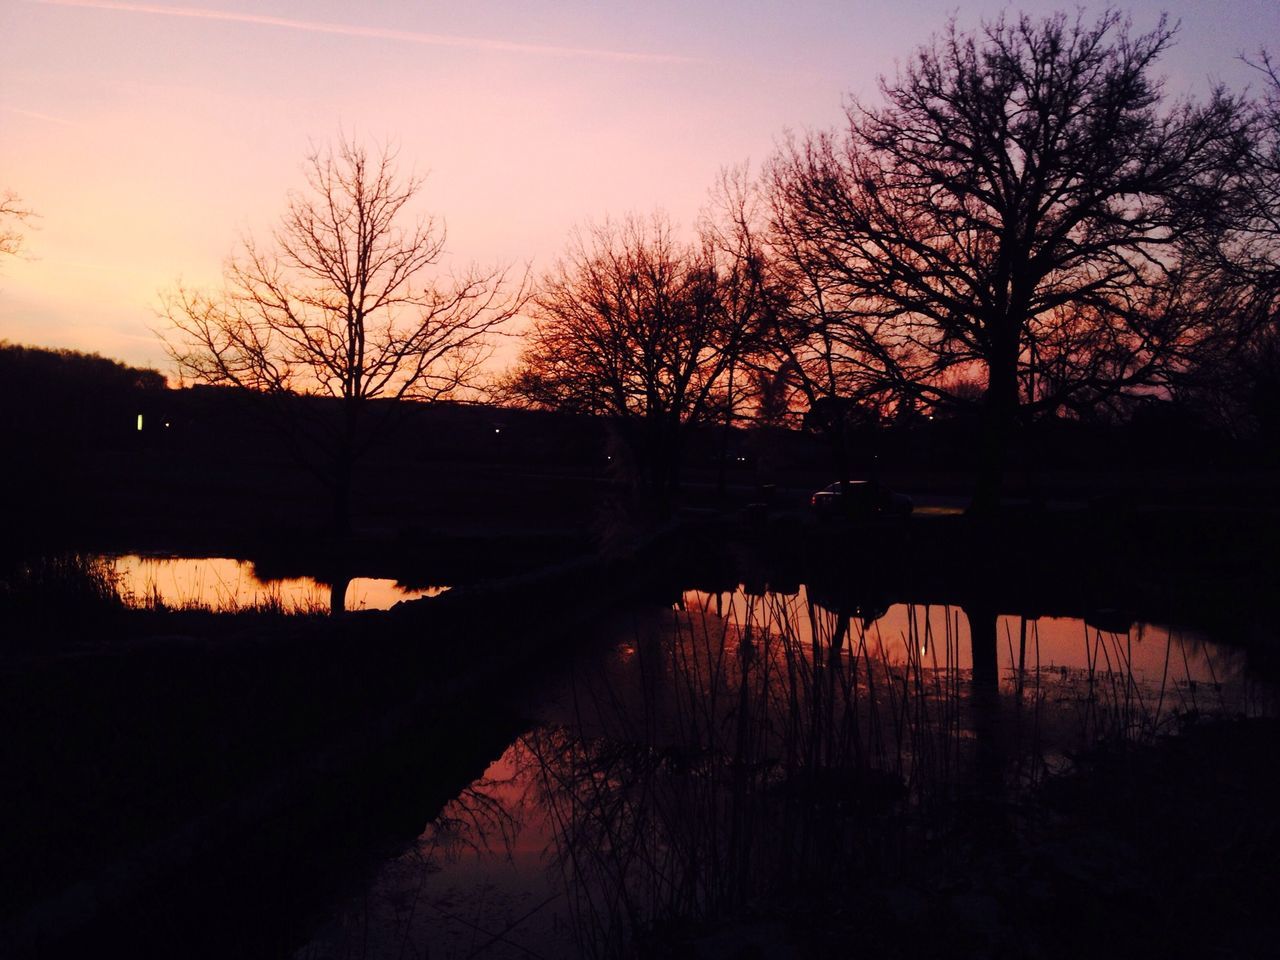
(149, 137)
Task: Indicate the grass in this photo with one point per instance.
(59, 597)
(217, 586)
(271, 602)
(70, 600)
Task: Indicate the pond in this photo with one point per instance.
(222, 583)
(714, 755)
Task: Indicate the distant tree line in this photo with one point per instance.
(58, 410)
(57, 397)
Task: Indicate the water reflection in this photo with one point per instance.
(745, 747)
(222, 583)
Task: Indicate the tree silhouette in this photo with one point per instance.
(339, 304)
(12, 215)
(1017, 207)
(1253, 251)
(819, 344)
(642, 329)
(1236, 383)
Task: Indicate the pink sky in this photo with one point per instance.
(150, 136)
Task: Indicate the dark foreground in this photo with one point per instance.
(206, 786)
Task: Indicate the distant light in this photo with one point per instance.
(139, 421)
(166, 424)
(497, 429)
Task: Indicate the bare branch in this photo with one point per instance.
(13, 216)
(341, 304)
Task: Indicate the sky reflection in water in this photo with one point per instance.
(224, 583)
(712, 755)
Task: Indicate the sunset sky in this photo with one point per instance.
(149, 136)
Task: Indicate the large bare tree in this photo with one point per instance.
(1016, 207)
(638, 327)
(342, 303)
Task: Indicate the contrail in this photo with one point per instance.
(380, 33)
(48, 118)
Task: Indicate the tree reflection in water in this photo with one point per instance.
(749, 751)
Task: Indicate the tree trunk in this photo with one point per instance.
(341, 520)
(340, 541)
(999, 416)
(662, 468)
(344, 468)
(985, 703)
(338, 596)
(839, 437)
(726, 434)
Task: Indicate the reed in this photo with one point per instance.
(58, 597)
(771, 750)
(743, 757)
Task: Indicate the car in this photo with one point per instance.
(866, 498)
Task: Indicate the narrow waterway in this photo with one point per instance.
(708, 757)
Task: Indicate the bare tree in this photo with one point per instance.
(340, 304)
(1017, 207)
(13, 214)
(820, 347)
(644, 330)
(1237, 382)
(1253, 250)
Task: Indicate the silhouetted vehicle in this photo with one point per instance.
(860, 498)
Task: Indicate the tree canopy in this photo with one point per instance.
(342, 302)
(1018, 204)
(636, 326)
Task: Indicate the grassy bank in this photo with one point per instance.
(138, 759)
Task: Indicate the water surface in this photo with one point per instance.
(223, 583)
(736, 747)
